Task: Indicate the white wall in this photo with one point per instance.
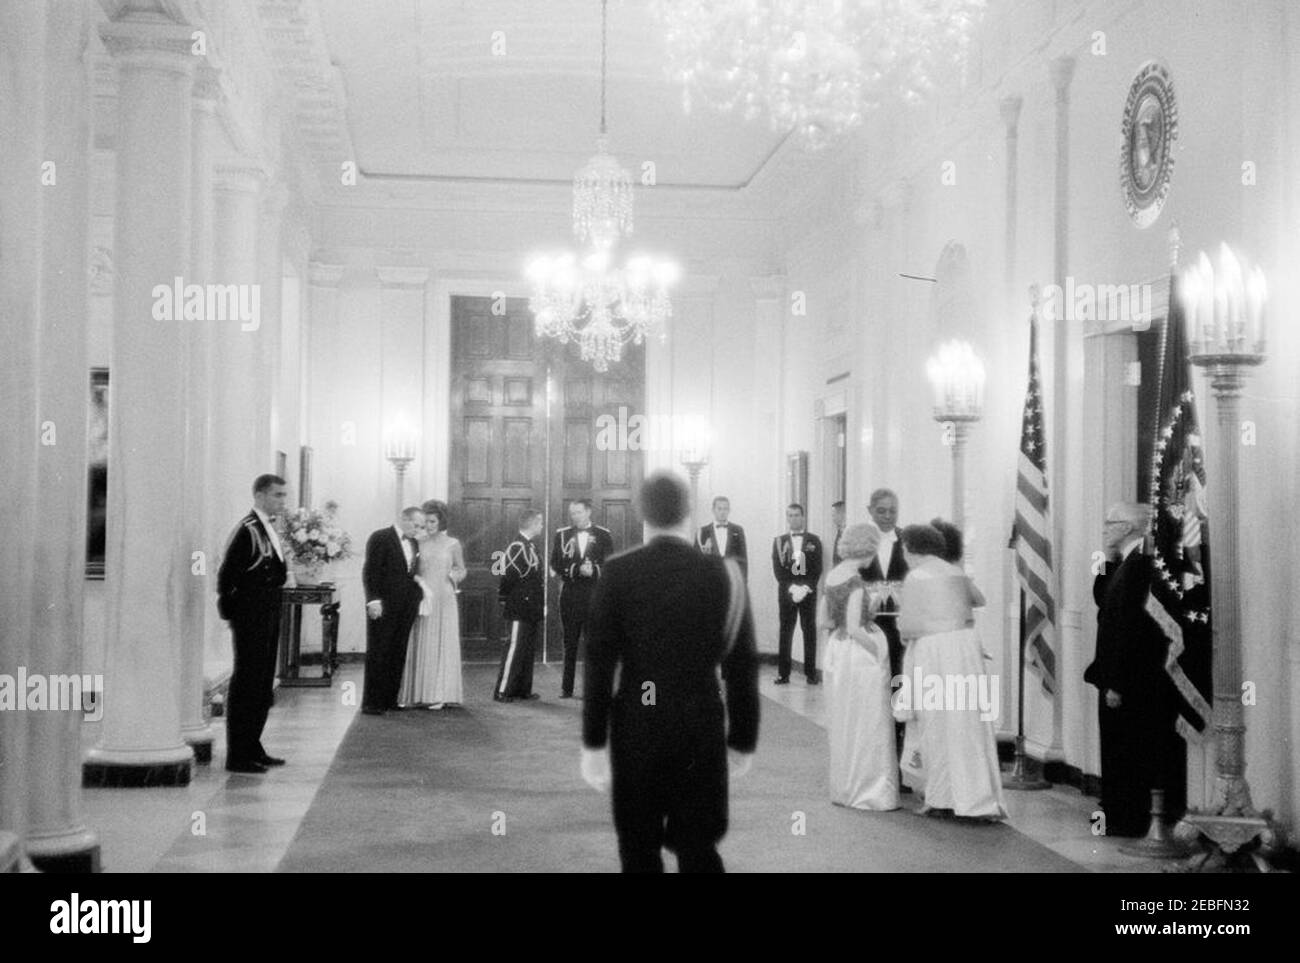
(881, 208)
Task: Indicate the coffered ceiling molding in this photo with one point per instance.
(296, 44)
(508, 91)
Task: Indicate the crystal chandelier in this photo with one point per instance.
(584, 300)
(813, 66)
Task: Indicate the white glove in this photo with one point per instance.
(799, 592)
(375, 609)
(739, 763)
(595, 768)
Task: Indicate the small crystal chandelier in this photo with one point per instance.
(584, 300)
(814, 67)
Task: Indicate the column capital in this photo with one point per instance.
(1009, 107)
(403, 277)
(241, 176)
(1062, 72)
(150, 45)
(768, 287)
(324, 275)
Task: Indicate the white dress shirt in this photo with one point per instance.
(270, 531)
(720, 537)
(584, 534)
(406, 547)
(885, 550)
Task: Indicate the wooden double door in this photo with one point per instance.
(524, 429)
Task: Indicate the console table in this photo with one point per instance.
(292, 601)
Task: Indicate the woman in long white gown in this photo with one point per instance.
(860, 726)
(957, 769)
(432, 677)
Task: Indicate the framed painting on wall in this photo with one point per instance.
(97, 471)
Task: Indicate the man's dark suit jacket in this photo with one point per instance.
(736, 547)
(251, 574)
(385, 575)
(522, 585)
(783, 562)
(567, 561)
(897, 566)
(658, 616)
(1131, 647)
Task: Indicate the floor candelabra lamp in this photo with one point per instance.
(957, 378)
(694, 458)
(399, 449)
(1224, 304)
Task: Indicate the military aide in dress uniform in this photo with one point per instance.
(577, 555)
(664, 620)
(522, 607)
(253, 572)
(797, 565)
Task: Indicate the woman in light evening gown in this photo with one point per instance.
(949, 753)
(860, 724)
(432, 675)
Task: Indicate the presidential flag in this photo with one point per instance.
(1032, 531)
(1179, 599)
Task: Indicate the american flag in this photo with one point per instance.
(1179, 600)
(1032, 533)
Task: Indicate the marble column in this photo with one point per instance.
(234, 455)
(323, 417)
(1065, 446)
(199, 610)
(56, 836)
(22, 130)
(43, 306)
(270, 255)
(148, 554)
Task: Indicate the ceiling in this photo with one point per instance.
(509, 91)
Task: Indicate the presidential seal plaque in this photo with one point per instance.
(1150, 129)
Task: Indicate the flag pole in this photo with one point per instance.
(1022, 776)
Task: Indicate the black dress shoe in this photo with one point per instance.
(780, 680)
(271, 761)
(373, 712)
(566, 695)
(530, 697)
(497, 697)
(245, 766)
(814, 680)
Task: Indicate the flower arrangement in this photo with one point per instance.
(314, 538)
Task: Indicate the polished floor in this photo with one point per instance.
(224, 822)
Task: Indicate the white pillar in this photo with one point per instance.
(43, 238)
(148, 556)
(22, 128)
(199, 613)
(234, 456)
(270, 255)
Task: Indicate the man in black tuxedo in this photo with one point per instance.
(252, 573)
(723, 538)
(392, 603)
(887, 565)
(577, 554)
(1137, 711)
(521, 594)
(664, 619)
(797, 565)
